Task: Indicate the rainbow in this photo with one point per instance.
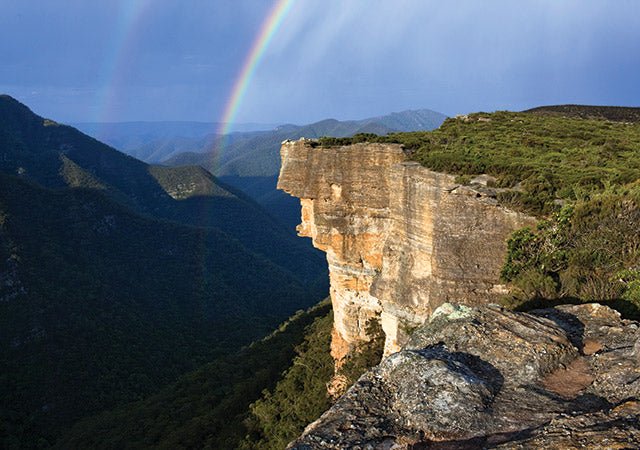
(267, 31)
(130, 18)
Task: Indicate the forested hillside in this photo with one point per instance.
(117, 277)
(100, 306)
(210, 407)
(56, 155)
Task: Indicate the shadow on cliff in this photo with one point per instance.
(466, 364)
(518, 438)
(627, 308)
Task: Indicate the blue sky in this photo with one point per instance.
(118, 60)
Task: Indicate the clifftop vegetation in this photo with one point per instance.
(613, 113)
(537, 159)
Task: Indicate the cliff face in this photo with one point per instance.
(400, 239)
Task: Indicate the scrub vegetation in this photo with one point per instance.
(537, 159)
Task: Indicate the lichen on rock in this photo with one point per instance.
(482, 379)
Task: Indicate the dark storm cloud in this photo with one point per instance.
(168, 59)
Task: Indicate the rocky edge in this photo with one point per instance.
(483, 377)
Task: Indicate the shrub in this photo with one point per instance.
(589, 251)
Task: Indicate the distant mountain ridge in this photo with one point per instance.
(155, 142)
(241, 147)
(613, 113)
(128, 136)
(251, 161)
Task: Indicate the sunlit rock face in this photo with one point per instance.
(400, 239)
(418, 252)
(446, 243)
(345, 201)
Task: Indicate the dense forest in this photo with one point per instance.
(101, 306)
(260, 398)
(210, 407)
(116, 277)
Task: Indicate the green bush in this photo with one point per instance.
(589, 251)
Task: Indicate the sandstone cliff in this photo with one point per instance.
(400, 239)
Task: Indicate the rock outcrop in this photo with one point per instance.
(400, 239)
(484, 377)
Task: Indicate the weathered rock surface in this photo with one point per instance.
(484, 377)
(400, 239)
(345, 200)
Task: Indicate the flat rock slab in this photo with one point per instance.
(486, 377)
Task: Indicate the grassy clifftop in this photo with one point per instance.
(536, 159)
